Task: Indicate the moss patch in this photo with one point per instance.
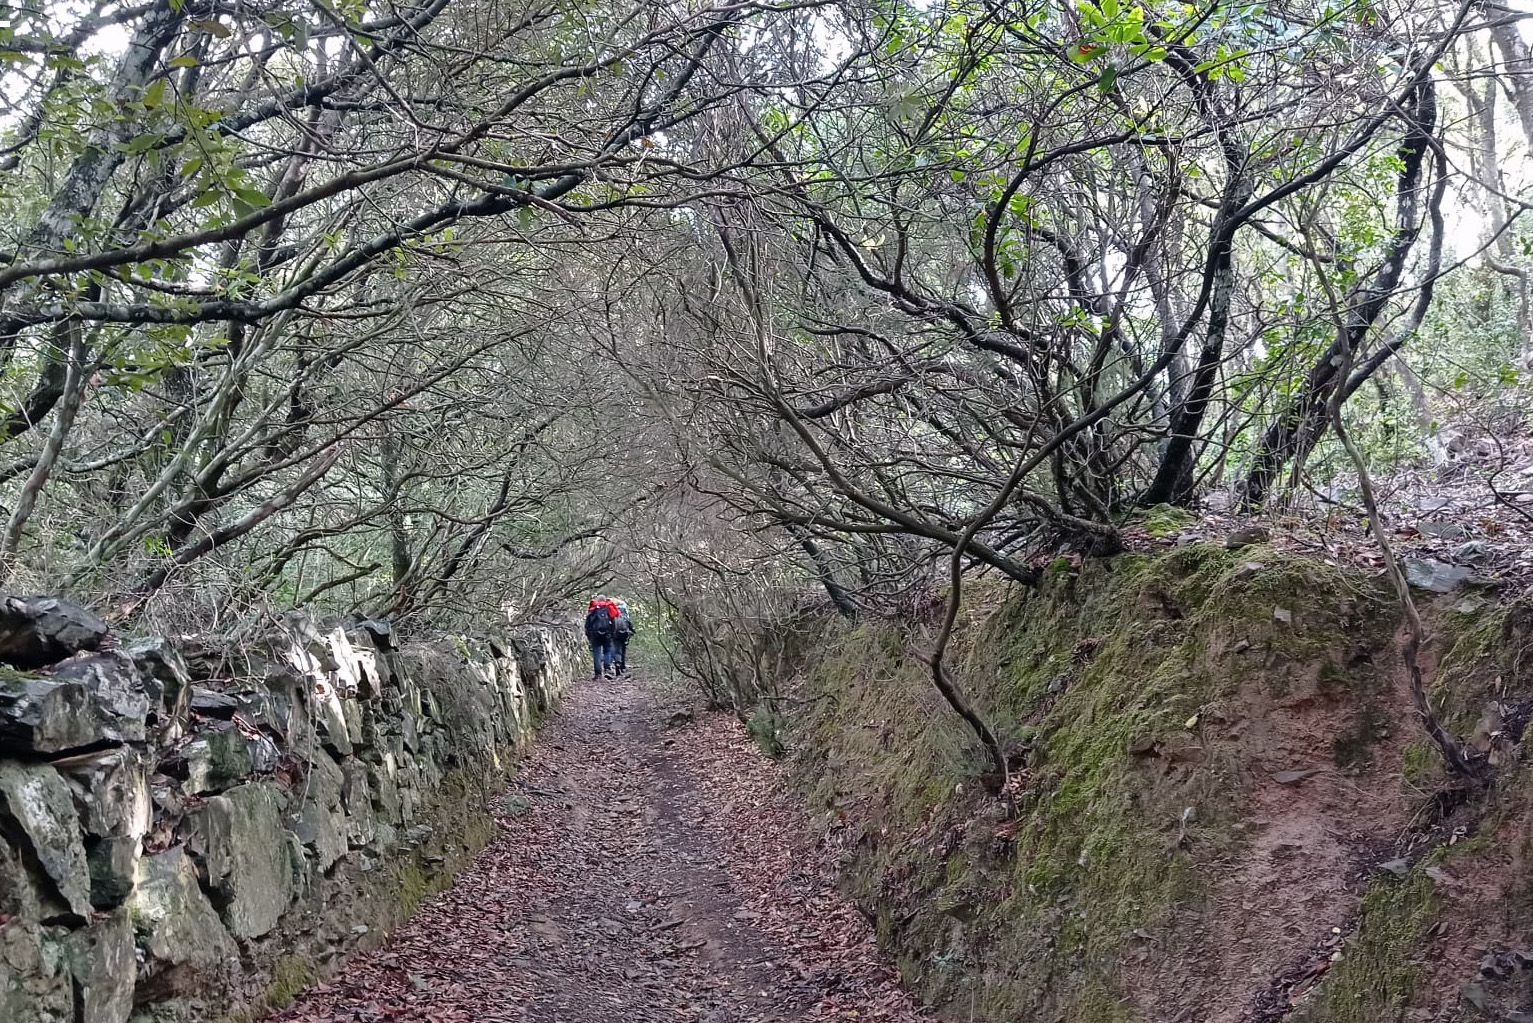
(1114, 678)
(1374, 981)
(1164, 519)
(413, 884)
(290, 975)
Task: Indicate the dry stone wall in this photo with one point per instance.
(190, 831)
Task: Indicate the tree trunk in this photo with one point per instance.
(1295, 431)
(76, 377)
(1173, 482)
(827, 574)
(1518, 72)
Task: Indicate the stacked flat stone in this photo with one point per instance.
(179, 815)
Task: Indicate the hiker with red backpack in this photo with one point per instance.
(601, 619)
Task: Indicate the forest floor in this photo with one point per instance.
(1463, 523)
(648, 867)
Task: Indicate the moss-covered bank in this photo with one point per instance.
(1220, 750)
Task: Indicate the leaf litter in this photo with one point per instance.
(642, 871)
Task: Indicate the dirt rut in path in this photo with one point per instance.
(609, 895)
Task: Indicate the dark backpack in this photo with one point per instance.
(623, 626)
(598, 622)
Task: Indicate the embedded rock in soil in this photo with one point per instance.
(1247, 536)
(1443, 529)
(1436, 576)
(38, 631)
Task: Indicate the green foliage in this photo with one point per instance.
(765, 728)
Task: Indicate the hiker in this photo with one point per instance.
(600, 617)
(622, 631)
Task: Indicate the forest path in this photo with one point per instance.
(642, 873)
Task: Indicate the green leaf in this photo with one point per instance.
(142, 143)
(206, 198)
(185, 60)
(1109, 76)
(155, 95)
(253, 196)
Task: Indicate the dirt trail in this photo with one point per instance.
(642, 873)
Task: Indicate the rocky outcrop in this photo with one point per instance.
(182, 818)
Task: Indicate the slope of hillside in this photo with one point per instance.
(1227, 810)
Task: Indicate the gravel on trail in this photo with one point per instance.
(644, 870)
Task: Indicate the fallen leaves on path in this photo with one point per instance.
(749, 813)
(641, 874)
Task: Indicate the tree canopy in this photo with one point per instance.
(462, 307)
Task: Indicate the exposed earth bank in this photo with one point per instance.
(1224, 808)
